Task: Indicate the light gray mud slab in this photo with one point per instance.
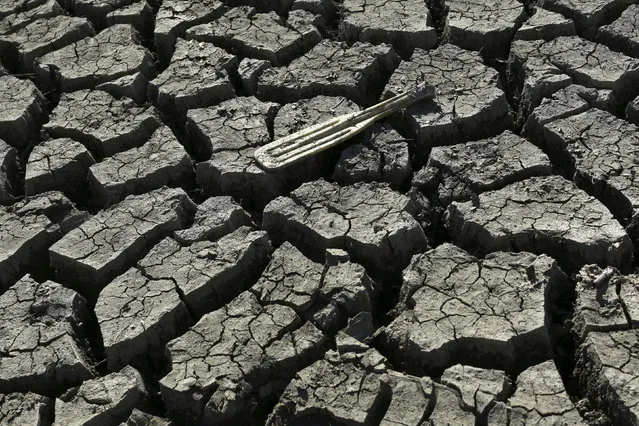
(539, 399)
(479, 388)
(102, 123)
(632, 111)
(214, 218)
(139, 14)
(21, 48)
(249, 72)
(134, 86)
(623, 34)
(56, 207)
(22, 18)
(8, 7)
(539, 68)
(175, 16)
(248, 350)
(469, 102)
(545, 25)
(383, 157)
(229, 134)
(369, 220)
(487, 27)
(90, 256)
(22, 109)
(459, 172)
(161, 161)
(25, 409)
(605, 321)
(267, 36)
(324, 8)
(404, 24)
(113, 53)
(173, 286)
(8, 172)
(42, 332)
(541, 215)
(588, 14)
(331, 68)
(197, 77)
(455, 308)
(107, 400)
(140, 418)
(58, 164)
(599, 151)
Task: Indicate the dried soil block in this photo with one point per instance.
(469, 102)
(161, 161)
(42, 336)
(369, 220)
(173, 286)
(541, 215)
(107, 400)
(25, 409)
(8, 172)
(333, 69)
(545, 25)
(8, 7)
(22, 110)
(90, 256)
(455, 308)
(588, 14)
(198, 76)
(266, 36)
(102, 123)
(20, 49)
(622, 34)
(23, 17)
(113, 53)
(140, 15)
(175, 16)
(404, 24)
(58, 164)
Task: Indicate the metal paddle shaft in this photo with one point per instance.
(317, 138)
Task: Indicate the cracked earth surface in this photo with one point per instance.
(470, 260)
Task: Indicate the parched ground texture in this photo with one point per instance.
(470, 260)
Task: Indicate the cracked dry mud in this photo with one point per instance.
(470, 260)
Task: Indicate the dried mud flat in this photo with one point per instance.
(469, 261)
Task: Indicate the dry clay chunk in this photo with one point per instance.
(469, 101)
(632, 111)
(20, 49)
(23, 17)
(623, 34)
(8, 172)
(21, 110)
(160, 161)
(369, 220)
(96, 10)
(103, 124)
(545, 25)
(455, 308)
(333, 69)
(230, 133)
(42, 332)
(602, 151)
(539, 399)
(214, 218)
(139, 14)
(484, 26)
(58, 164)
(383, 156)
(198, 76)
(134, 86)
(25, 409)
(457, 172)
(23, 237)
(157, 300)
(588, 14)
(113, 53)
(251, 347)
(175, 16)
(103, 247)
(8, 7)
(107, 400)
(261, 35)
(544, 67)
(478, 387)
(405, 24)
(541, 215)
